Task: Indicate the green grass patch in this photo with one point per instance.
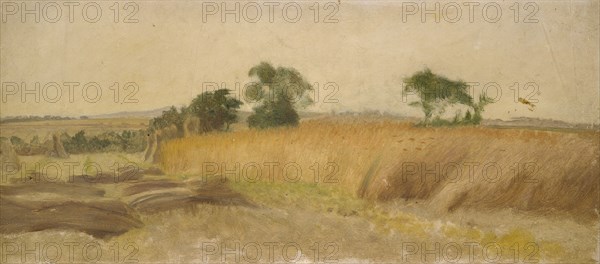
(301, 195)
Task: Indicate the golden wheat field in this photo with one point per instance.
(347, 190)
(436, 184)
(449, 168)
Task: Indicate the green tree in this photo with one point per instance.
(216, 110)
(436, 92)
(479, 107)
(171, 117)
(78, 143)
(278, 92)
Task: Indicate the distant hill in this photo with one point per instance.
(125, 114)
(158, 111)
(537, 122)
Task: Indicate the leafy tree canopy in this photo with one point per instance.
(278, 92)
(216, 110)
(436, 92)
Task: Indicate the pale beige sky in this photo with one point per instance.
(170, 52)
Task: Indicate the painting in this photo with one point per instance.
(313, 131)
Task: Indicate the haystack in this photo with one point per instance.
(8, 154)
(58, 150)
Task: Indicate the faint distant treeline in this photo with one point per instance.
(12, 119)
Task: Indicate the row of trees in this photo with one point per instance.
(31, 118)
(277, 91)
(280, 91)
(215, 111)
(129, 141)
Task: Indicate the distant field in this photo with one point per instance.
(42, 129)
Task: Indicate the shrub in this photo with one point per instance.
(126, 141)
